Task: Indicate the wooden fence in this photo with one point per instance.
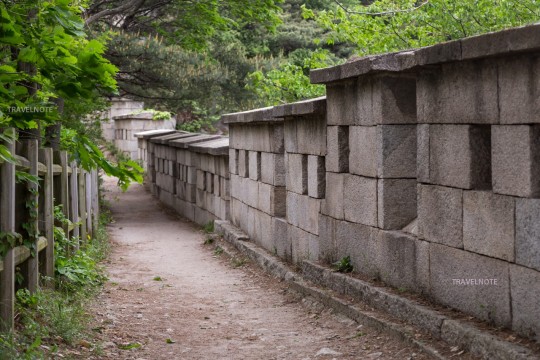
(61, 183)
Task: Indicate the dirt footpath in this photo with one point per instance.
(171, 297)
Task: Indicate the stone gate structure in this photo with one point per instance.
(423, 166)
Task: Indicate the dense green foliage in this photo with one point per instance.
(385, 26)
(193, 62)
(390, 25)
(51, 74)
(45, 56)
(59, 319)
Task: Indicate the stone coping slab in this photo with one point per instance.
(217, 147)
(300, 108)
(184, 143)
(501, 43)
(164, 139)
(153, 133)
(264, 115)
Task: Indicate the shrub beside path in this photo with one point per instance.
(171, 297)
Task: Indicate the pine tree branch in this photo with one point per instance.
(133, 4)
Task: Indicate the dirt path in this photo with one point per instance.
(207, 308)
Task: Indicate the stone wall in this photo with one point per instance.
(257, 167)
(422, 166)
(188, 172)
(126, 126)
(119, 106)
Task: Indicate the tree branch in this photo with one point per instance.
(389, 12)
(108, 12)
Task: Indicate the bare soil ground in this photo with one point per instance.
(171, 297)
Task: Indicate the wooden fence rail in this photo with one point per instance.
(61, 183)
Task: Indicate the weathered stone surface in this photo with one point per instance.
(203, 217)
(422, 154)
(525, 38)
(251, 227)
(397, 155)
(297, 173)
(166, 197)
(303, 212)
(448, 51)
(394, 100)
(481, 343)
(337, 159)
(283, 247)
(200, 198)
(363, 153)
(225, 209)
(316, 106)
(396, 203)
(166, 182)
(333, 203)
(516, 160)
(311, 135)
(458, 93)
(253, 193)
(360, 200)
(525, 295)
(254, 165)
(327, 239)
(238, 213)
(316, 176)
(222, 164)
(342, 103)
(403, 261)
(209, 182)
(519, 84)
(360, 243)
(290, 136)
(277, 143)
(263, 222)
(451, 269)
(233, 161)
(386, 151)
(460, 156)
(440, 217)
(225, 191)
(488, 224)
(304, 245)
(272, 199)
(273, 169)
(528, 233)
(217, 186)
(186, 209)
(243, 163)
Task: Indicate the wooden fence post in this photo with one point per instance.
(95, 198)
(88, 201)
(46, 157)
(7, 225)
(82, 205)
(64, 187)
(74, 197)
(33, 197)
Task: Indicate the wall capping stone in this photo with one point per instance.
(153, 133)
(251, 116)
(501, 43)
(316, 106)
